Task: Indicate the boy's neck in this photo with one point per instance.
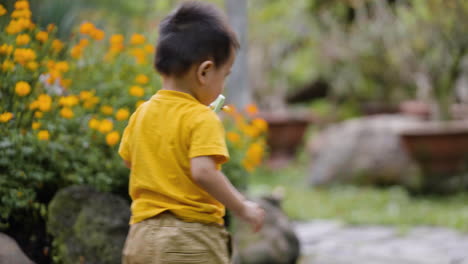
(177, 84)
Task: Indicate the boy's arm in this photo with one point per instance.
(128, 164)
(205, 174)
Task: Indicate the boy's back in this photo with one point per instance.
(161, 137)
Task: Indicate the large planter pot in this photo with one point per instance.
(441, 150)
(285, 135)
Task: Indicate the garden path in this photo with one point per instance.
(331, 242)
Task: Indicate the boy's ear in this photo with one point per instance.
(203, 70)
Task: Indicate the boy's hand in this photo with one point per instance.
(253, 214)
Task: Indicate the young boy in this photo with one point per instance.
(174, 145)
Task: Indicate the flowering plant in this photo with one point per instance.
(245, 135)
(63, 106)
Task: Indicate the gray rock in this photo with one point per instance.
(88, 226)
(276, 243)
(10, 252)
(364, 150)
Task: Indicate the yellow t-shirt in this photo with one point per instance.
(161, 137)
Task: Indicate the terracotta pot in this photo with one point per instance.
(440, 148)
(285, 134)
(416, 108)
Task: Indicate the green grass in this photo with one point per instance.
(360, 205)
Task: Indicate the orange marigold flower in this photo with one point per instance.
(3, 11)
(62, 66)
(105, 126)
(35, 125)
(107, 110)
(51, 27)
(57, 45)
(32, 65)
(42, 36)
(116, 39)
(260, 124)
(83, 42)
(8, 65)
(43, 135)
(251, 109)
(5, 117)
(122, 114)
(45, 102)
(87, 28)
(97, 34)
(21, 5)
(233, 137)
(112, 138)
(24, 55)
(149, 48)
(85, 95)
(22, 88)
(22, 39)
(67, 113)
(136, 91)
(68, 101)
(38, 114)
(141, 79)
(93, 123)
(76, 52)
(6, 49)
(137, 39)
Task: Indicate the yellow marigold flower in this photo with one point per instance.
(24, 55)
(251, 109)
(35, 125)
(107, 110)
(87, 28)
(139, 102)
(6, 49)
(97, 34)
(85, 95)
(57, 45)
(116, 39)
(112, 138)
(67, 113)
(22, 88)
(65, 82)
(105, 126)
(254, 154)
(5, 117)
(8, 65)
(141, 79)
(233, 137)
(21, 5)
(51, 27)
(251, 131)
(3, 11)
(149, 48)
(38, 114)
(260, 124)
(137, 39)
(68, 101)
(22, 39)
(43, 135)
(93, 123)
(136, 91)
(62, 66)
(122, 114)
(42, 36)
(45, 102)
(32, 65)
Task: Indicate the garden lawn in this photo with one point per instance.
(360, 205)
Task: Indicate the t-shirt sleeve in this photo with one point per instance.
(207, 137)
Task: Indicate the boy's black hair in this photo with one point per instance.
(192, 33)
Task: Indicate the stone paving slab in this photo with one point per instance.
(332, 242)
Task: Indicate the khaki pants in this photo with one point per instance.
(164, 239)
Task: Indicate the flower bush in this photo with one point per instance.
(245, 135)
(64, 105)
